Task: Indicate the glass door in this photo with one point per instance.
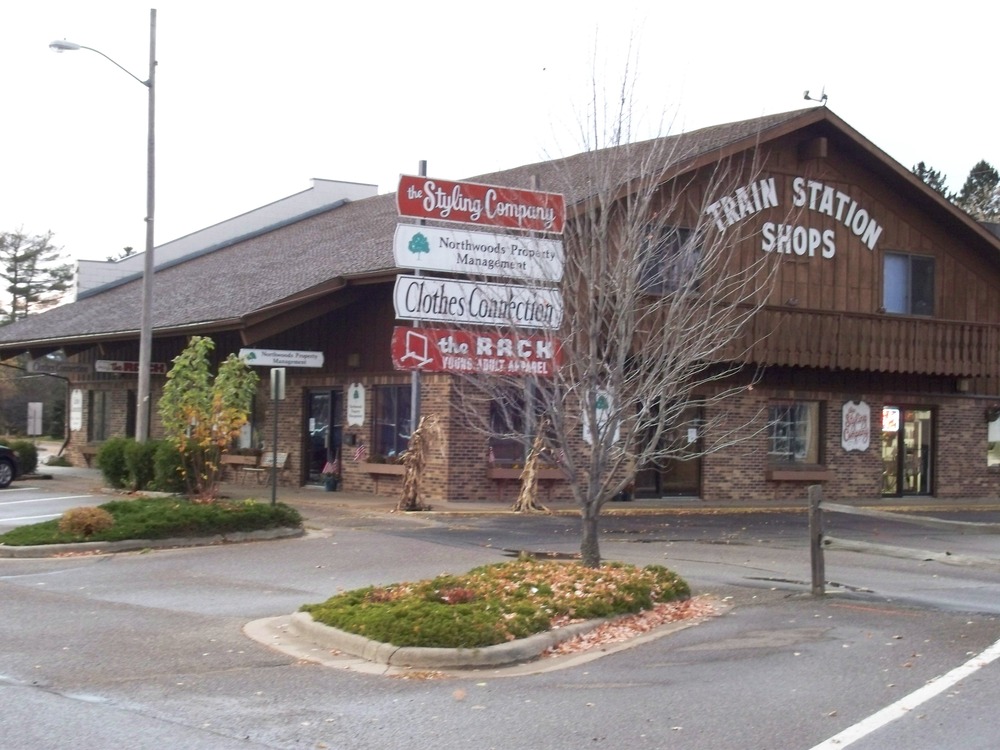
(680, 475)
(907, 451)
(323, 432)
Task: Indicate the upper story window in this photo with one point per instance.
(908, 284)
(669, 260)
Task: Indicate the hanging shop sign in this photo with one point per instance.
(76, 410)
(855, 426)
(463, 351)
(127, 368)
(603, 409)
(477, 303)
(482, 205)
(355, 405)
(48, 367)
(478, 253)
(281, 358)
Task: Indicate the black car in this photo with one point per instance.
(10, 466)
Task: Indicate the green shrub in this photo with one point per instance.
(27, 451)
(496, 603)
(168, 475)
(57, 461)
(85, 521)
(111, 461)
(162, 518)
(140, 460)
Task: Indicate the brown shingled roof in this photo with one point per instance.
(220, 289)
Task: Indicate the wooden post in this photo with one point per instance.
(816, 540)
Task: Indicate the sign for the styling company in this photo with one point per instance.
(483, 205)
(856, 426)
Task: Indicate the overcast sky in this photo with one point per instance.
(256, 98)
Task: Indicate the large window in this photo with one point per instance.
(509, 428)
(668, 260)
(392, 421)
(908, 284)
(793, 433)
(99, 411)
(993, 441)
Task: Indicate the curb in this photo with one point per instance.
(130, 545)
(302, 625)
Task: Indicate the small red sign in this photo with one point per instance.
(482, 205)
(489, 352)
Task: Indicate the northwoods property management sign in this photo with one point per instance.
(478, 253)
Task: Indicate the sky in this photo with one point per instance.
(254, 99)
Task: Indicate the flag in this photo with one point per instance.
(332, 467)
(359, 452)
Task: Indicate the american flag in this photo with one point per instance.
(332, 467)
(359, 452)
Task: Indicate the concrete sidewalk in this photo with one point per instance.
(317, 504)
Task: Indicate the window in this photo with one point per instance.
(793, 433)
(908, 284)
(993, 441)
(392, 421)
(507, 424)
(98, 411)
(668, 260)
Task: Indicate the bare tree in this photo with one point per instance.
(656, 299)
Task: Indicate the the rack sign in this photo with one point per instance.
(490, 352)
(483, 205)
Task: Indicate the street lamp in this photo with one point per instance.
(145, 318)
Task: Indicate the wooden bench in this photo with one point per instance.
(268, 466)
(237, 465)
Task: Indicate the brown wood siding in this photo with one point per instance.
(840, 341)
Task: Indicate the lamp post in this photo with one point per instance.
(145, 318)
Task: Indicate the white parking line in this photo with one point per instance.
(911, 701)
(5, 503)
(29, 518)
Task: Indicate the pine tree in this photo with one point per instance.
(934, 179)
(980, 195)
(35, 274)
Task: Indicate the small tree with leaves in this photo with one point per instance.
(202, 415)
(34, 272)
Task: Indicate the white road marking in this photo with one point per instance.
(29, 518)
(5, 503)
(909, 702)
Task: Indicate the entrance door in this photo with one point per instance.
(323, 432)
(679, 476)
(907, 451)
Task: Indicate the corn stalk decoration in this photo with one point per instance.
(527, 498)
(414, 460)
